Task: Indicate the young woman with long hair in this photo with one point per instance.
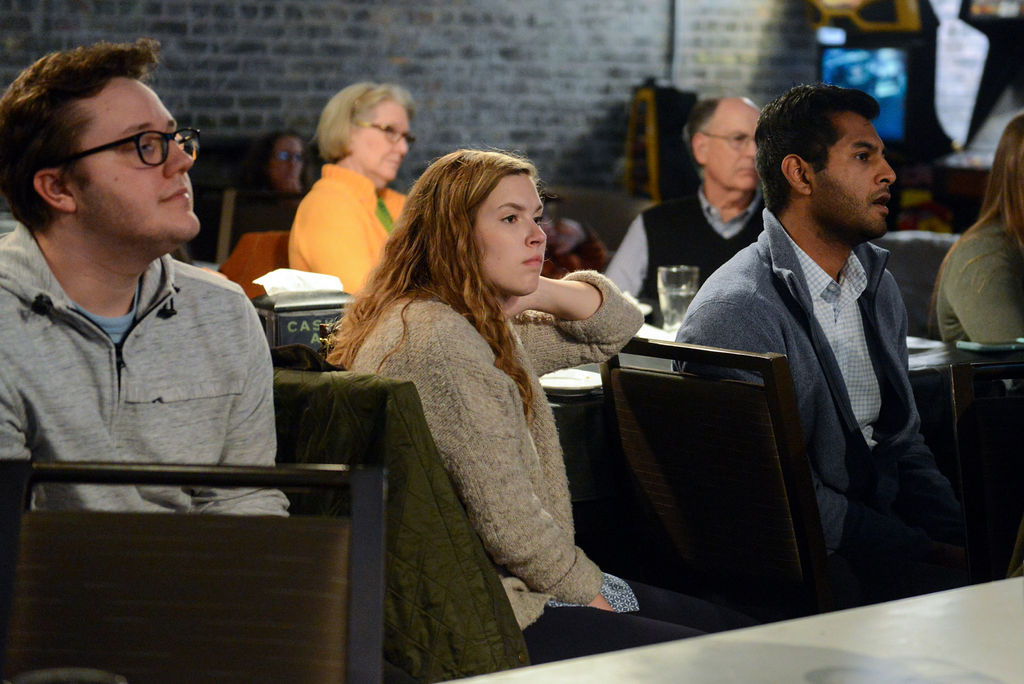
(457, 305)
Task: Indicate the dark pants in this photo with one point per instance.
(864, 579)
(570, 632)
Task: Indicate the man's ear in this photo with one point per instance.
(799, 174)
(699, 146)
(52, 186)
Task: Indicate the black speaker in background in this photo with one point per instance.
(658, 161)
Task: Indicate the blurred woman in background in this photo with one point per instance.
(275, 162)
(979, 293)
(342, 223)
(571, 245)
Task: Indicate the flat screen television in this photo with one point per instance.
(880, 72)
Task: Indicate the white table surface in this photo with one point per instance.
(972, 635)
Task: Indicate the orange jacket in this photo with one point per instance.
(336, 230)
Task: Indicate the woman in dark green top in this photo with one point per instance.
(979, 294)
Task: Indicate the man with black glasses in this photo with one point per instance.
(112, 351)
(708, 228)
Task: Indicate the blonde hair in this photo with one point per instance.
(432, 253)
(354, 103)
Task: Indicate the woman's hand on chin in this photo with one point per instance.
(538, 300)
(570, 300)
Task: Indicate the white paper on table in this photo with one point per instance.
(650, 332)
(292, 280)
(920, 344)
(644, 307)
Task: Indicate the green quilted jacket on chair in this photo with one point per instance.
(445, 612)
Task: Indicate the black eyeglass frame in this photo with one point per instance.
(389, 132)
(188, 135)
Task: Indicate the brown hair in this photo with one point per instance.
(40, 122)
(699, 117)
(1003, 202)
(432, 254)
(800, 122)
(1004, 192)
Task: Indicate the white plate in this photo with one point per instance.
(571, 381)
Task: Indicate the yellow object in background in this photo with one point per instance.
(867, 15)
(920, 211)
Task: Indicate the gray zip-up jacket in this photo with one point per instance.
(890, 499)
(191, 383)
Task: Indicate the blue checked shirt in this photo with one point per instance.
(835, 307)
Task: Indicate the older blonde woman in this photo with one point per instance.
(342, 223)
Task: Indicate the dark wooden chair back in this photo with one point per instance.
(203, 598)
(721, 466)
(989, 434)
(13, 478)
(1016, 567)
(252, 211)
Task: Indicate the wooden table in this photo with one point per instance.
(974, 634)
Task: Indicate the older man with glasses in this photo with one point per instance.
(708, 228)
(111, 350)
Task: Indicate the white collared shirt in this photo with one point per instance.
(836, 309)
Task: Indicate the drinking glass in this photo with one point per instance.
(677, 286)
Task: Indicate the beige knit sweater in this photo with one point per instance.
(508, 473)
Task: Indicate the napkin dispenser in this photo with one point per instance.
(295, 317)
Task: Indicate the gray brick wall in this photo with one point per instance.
(551, 79)
(743, 48)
